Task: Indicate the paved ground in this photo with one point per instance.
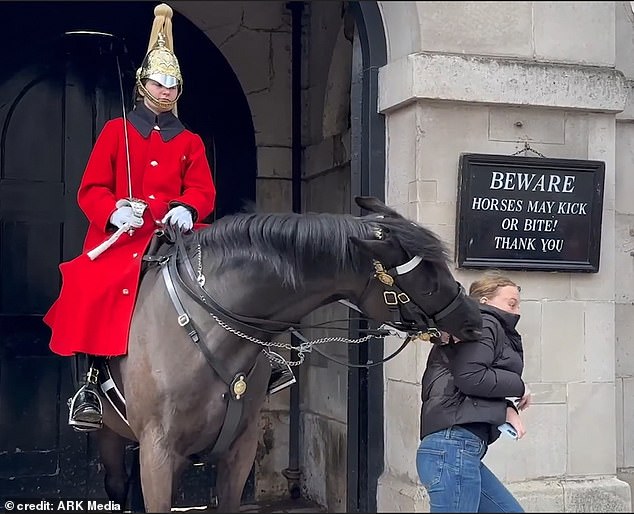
(281, 506)
(298, 506)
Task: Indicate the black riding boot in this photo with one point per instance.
(85, 406)
(281, 377)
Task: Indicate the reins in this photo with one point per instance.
(406, 322)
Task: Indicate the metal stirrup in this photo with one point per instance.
(83, 426)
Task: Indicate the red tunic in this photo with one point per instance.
(93, 311)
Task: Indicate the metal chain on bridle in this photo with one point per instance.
(302, 349)
(305, 347)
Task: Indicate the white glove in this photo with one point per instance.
(125, 216)
(180, 216)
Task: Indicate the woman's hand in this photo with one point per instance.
(513, 418)
(526, 400)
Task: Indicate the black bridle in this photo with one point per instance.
(405, 315)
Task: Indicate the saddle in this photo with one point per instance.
(100, 374)
(160, 247)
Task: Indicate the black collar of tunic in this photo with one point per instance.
(144, 120)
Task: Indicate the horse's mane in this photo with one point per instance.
(297, 245)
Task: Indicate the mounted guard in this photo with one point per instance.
(145, 170)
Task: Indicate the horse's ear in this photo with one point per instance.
(369, 203)
(370, 247)
(373, 204)
(386, 250)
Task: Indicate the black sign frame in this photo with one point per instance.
(469, 234)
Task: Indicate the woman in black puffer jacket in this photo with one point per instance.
(468, 391)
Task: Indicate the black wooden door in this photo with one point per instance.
(54, 98)
(50, 113)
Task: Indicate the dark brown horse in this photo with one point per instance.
(195, 375)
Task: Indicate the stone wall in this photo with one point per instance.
(255, 37)
(462, 88)
(326, 188)
(624, 283)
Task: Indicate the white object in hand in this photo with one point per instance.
(179, 216)
(97, 251)
(124, 215)
(508, 429)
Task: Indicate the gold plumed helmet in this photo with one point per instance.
(160, 63)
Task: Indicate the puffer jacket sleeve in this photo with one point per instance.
(473, 369)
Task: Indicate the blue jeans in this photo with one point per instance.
(449, 466)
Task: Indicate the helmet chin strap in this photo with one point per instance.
(161, 104)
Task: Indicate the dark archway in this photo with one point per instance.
(56, 92)
(213, 103)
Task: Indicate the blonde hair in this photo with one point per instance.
(488, 285)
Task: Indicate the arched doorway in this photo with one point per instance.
(56, 92)
(365, 386)
(228, 132)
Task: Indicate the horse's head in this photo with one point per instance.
(412, 277)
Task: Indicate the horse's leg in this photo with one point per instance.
(234, 468)
(134, 491)
(112, 452)
(160, 466)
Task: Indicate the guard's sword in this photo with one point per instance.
(98, 250)
(138, 206)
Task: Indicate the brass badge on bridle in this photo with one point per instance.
(382, 275)
(239, 387)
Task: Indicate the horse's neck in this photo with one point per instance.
(293, 305)
(256, 291)
(264, 297)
